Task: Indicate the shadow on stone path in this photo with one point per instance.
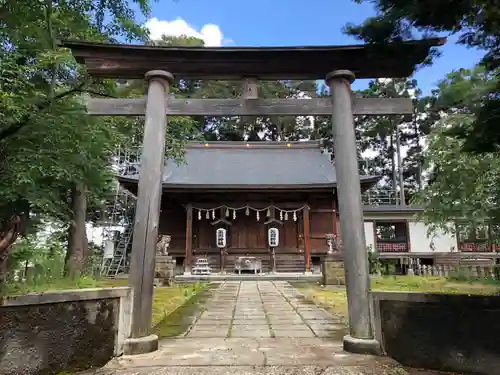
(257, 327)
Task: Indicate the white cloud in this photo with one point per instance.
(210, 33)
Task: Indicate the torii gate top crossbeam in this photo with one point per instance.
(266, 63)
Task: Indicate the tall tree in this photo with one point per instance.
(377, 138)
(49, 147)
(461, 185)
(476, 22)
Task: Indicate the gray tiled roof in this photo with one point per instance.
(257, 164)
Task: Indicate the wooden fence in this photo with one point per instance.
(486, 272)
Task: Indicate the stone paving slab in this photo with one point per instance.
(208, 334)
(216, 318)
(297, 333)
(246, 351)
(326, 326)
(254, 333)
(263, 309)
(372, 369)
(250, 323)
(285, 321)
(211, 327)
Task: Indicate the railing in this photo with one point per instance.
(375, 197)
(486, 272)
(391, 246)
(478, 246)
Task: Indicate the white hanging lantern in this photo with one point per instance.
(286, 215)
(273, 237)
(234, 214)
(247, 211)
(281, 215)
(207, 215)
(258, 215)
(199, 214)
(294, 215)
(227, 212)
(213, 214)
(221, 237)
(268, 213)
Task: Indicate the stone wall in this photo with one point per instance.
(456, 333)
(63, 331)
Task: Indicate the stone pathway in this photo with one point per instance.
(255, 327)
(262, 309)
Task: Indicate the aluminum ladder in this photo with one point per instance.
(117, 263)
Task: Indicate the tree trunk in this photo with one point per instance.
(77, 239)
(416, 129)
(400, 168)
(7, 238)
(393, 163)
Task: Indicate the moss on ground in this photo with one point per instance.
(333, 298)
(430, 284)
(174, 321)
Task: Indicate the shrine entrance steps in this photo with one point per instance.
(255, 327)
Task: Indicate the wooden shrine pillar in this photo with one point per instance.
(307, 239)
(335, 229)
(147, 216)
(361, 337)
(188, 259)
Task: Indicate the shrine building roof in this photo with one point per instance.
(389, 60)
(250, 165)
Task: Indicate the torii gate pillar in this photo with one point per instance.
(361, 337)
(147, 215)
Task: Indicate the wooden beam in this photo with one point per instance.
(189, 239)
(307, 239)
(250, 107)
(334, 217)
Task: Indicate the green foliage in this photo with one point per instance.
(36, 263)
(477, 24)
(461, 185)
(47, 142)
(373, 261)
(376, 136)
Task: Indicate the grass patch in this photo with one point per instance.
(40, 286)
(334, 298)
(432, 284)
(168, 299)
(174, 310)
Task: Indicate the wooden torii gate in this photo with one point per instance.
(249, 65)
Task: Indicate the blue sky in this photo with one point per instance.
(287, 23)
